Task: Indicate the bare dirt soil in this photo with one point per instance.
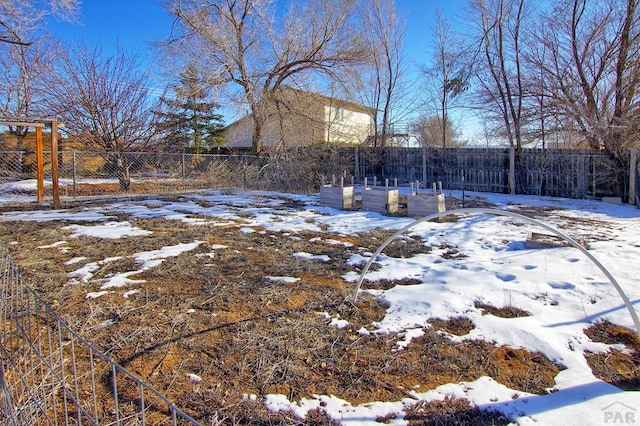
(220, 318)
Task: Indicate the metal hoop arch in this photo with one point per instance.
(497, 212)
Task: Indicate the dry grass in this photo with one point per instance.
(217, 316)
(458, 326)
(451, 411)
(620, 368)
(503, 312)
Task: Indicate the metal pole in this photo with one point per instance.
(39, 165)
(184, 172)
(74, 171)
(424, 164)
(54, 163)
(463, 189)
(245, 165)
(574, 243)
(512, 170)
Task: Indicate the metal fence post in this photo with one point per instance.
(73, 172)
(244, 172)
(184, 172)
(424, 163)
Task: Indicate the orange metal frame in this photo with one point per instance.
(39, 123)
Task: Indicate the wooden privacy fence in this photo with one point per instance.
(552, 172)
(561, 173)
(634, 179)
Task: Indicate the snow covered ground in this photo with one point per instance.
(561, 288)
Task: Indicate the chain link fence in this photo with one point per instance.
(561, 173)
(49, 375)
(104, 173)
(113, 173)
(94, 173)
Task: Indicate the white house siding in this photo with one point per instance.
(240, 134)
(310, 119)
(346, 126)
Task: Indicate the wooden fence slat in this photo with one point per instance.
(554, 172)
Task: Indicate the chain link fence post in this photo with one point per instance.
(244, 172)
(74, 174)
(184, 172)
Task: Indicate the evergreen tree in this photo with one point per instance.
(188, 120)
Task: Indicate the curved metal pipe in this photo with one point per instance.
(497, 212)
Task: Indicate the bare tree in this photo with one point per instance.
(104, 103)
(26, 55)
(244, 47)
(447, 78)
(542, 121)
(500, 78)
(378, 83)
(19, 17)
(23, 72)
(382, 76)
(429, 131)
(593, 72)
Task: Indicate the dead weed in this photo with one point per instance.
(451, 411)
(215, 313)
(503, 312)
(620, 368)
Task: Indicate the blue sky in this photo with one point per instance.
(134, 24)
(131, 23)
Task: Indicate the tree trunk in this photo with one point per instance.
(122, 173)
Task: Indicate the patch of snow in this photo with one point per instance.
(109, 230)
(193, 377)
(128, 293)
(96, 294)
(309, 256)
(289, 280)
(54, 245)
(85, 273)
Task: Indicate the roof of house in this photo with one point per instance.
(352, 106)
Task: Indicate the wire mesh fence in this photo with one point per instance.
(94, 173)
(115, 173)
(49, 375)
(99, 173)
(11, 165)
(562, 173)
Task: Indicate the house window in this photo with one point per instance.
(339, 114)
